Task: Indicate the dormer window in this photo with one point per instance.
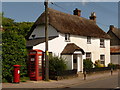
(102, 43)
(67, 37)
(88, 40)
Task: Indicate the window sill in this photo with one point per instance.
(67, 40)
(88, 42)
(102, 46)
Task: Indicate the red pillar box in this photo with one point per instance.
(16, 78)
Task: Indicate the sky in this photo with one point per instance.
(106, 12)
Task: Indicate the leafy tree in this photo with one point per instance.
(14, 52)
(22, 28)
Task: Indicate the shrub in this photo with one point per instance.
(111, 65)
(98, 64)
(56, 64)
(87, 64)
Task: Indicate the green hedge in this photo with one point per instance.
(13, 52)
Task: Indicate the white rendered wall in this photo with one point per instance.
(55, 45)
(58, 44)
(69, 61)
(39, 31)
(94, 47)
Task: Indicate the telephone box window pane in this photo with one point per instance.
(32, 58)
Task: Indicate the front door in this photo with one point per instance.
(75, 61)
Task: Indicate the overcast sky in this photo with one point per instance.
(106, 12)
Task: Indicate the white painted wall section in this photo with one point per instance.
(94, 47)
(69, 61)
(39, 32)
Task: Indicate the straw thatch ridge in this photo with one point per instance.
(72, 24)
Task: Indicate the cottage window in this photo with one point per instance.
(102, 44)
(102, 59)
(88, 40)
(67, 37)
(88, 55)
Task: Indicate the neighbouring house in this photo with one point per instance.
(114, 44)
(71, 36)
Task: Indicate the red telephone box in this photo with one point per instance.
(36, 65)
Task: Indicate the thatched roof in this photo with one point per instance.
(72, 24)
(70, 48)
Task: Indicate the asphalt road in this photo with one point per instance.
(107, 82)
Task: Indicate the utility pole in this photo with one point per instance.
(46, 42)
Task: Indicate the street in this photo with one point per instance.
(105, 82)
(98, 80)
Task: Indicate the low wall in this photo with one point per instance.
(63, 75)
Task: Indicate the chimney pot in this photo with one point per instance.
(93, 16)
(77, 12)
(111, 27)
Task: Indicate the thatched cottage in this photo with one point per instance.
(72, 37)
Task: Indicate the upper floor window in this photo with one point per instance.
(102, 59)
(67, 37)
(88, 40)
(88, 55)
(102, 43)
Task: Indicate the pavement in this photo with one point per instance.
(61, 83)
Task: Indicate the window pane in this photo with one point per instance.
(88, 55)
(88, 40)
(102, 59)
(102, 43)
(67, 37)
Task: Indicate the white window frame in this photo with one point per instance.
(102, 59)
(102, 43)
(67, 37)
(88, 40)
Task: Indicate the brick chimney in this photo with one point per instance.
(93, 16)
(77, 12)
(111, 27)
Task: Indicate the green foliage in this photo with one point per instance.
(87, 64)
(24, 79)
(111, 65)
(57, 64)
(14, 52)
(13, 46)
(98, 64)
(22, 28)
